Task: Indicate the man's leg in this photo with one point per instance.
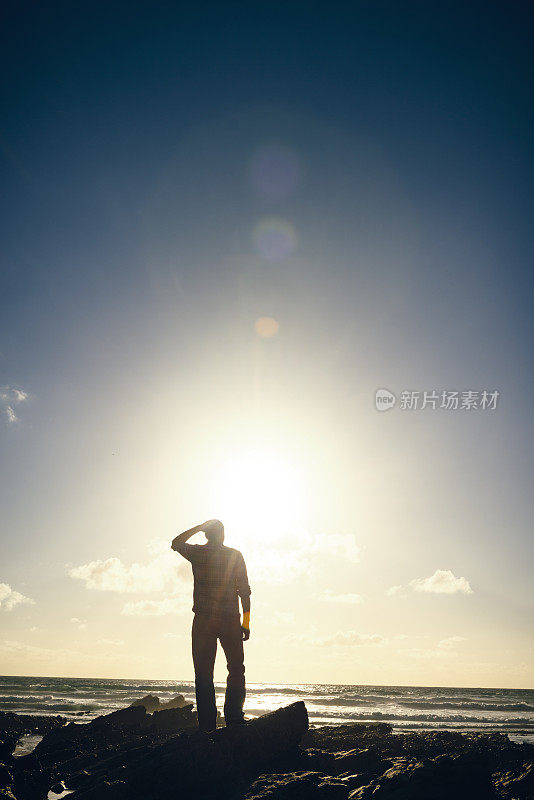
(204, 640)
(231, 639)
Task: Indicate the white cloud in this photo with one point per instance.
(396, 591)
(81, 623)
(451, 642)
(161, 573)
(9, 598)
(9, 398)
(442, 582)
(342, 599)
(352, 639)
(156, 608)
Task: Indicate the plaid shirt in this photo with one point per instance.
(220, 576)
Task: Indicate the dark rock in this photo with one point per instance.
(166, 720)
(30, 781)
(496, 749)
(20, 724)
(365, 761)
(297, 786)
(152, 703)
(200, 763)
(173, 720)
(77, 752)
(347, 737)
(517, 783)
(6, 778)
(7, 745)
(462, 777)
(175, 702)
(135, 755)
(354, 781)
(131, 717)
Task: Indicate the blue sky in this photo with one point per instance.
(363, 177)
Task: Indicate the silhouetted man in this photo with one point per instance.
(220, 577)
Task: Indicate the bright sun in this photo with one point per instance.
(259, 493)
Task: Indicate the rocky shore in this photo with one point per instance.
(133, 754)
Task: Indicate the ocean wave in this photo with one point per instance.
(289, 690)
(54, 708)
(380, 716)
(474, 706)
(429, 705)
(45, 698)
(337, 701)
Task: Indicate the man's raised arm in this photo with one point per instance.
(179, 542)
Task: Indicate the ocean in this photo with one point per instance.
(405, 707)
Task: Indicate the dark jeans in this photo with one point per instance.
(205, 633)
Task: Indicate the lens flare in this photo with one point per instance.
(274, 239)
(266, 327)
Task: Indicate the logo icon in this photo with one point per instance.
(384, 400)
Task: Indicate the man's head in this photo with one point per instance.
(214, 530)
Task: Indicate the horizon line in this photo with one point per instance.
(274, 683)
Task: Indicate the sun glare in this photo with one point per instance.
(259, 493)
